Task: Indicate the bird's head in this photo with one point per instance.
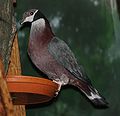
(31, 16)
(37, 21)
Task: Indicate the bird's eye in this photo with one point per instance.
(31, 13)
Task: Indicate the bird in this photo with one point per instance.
(53, 56)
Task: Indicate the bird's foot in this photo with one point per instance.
(59, 86)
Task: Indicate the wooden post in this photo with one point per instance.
(15, 69)
(6, 40)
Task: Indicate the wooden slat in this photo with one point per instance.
(15, 69)
(6, 105)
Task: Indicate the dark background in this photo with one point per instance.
(91, 28)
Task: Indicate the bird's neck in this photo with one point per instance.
(41, 31)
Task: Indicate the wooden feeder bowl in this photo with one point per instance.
(30, 90)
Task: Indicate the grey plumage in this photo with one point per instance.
(62, 53)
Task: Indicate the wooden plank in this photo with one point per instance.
(15, 69)
(7, 107)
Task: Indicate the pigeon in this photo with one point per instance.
(53, 56)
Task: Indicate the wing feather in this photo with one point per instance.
(62, 53)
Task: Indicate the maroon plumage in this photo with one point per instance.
(53, 57)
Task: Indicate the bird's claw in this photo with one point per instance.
(59, 87)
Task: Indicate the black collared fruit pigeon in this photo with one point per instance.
(53, 57)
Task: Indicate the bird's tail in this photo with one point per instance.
(92, 94)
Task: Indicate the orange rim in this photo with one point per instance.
(30, 90)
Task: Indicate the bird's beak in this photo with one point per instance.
(20, 25)
(22, 22)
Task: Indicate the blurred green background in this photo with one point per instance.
(92, 30)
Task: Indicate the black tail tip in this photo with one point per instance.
(100, 103)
